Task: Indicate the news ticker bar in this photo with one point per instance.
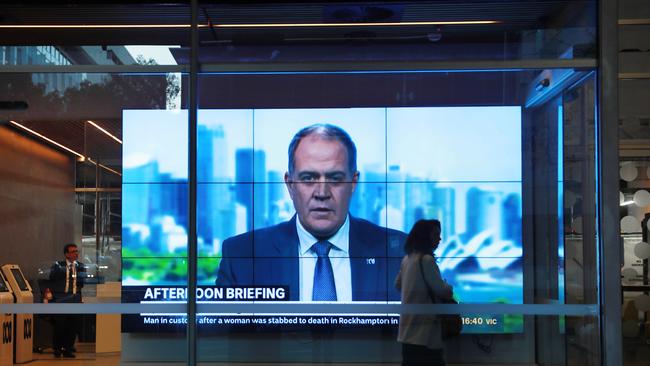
(253, 308)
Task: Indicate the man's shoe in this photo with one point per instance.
(68, 354)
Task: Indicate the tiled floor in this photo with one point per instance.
(114, 360)
(83, 359)
(635, 354)
(91, 359)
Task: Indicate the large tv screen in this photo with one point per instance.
(258, 213)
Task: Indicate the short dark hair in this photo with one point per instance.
(327, 132)
(419, 238)
(67, 246)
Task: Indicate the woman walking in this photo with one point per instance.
(418, 280)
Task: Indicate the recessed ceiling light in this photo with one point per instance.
(104, 131)
(47, 139)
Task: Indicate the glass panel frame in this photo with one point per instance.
(589, 63)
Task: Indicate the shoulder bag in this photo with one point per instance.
(451, 324)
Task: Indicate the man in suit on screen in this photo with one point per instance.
(322, 253)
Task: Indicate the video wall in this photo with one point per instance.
(255, 217)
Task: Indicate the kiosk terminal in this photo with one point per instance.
(7, 321)
(23, 323)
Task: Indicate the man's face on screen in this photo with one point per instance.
(321, 185)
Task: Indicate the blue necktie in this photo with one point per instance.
(324, 288)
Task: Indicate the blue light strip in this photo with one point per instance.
(354, 72)
(560, 197)
(311, 308)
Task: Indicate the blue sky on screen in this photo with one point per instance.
(155, 135)
(274, 129)
(456, 143)
(237, 125)
(432, 143)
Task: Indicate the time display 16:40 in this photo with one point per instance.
(479, 320)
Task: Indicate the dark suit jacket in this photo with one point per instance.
(57, 282)
(269, 257)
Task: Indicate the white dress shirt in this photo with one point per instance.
(339, 257)
(70, 267)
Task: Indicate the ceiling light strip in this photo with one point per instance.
(91, 26)
(104, 131)
(109, 169)
(47, 139)
(104, 167)
(244, 25)
(81, 157)
(380, 24)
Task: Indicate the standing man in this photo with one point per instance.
(323, 253)
(66, 279)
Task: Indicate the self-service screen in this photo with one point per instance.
(3, 284)
(22, 284)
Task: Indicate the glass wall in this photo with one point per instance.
(633, 174)
(66, 83)
(67, 175)
(474, 117)
(417, 158)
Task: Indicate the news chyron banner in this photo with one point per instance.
(237, 294)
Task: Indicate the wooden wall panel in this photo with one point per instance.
(37, 202)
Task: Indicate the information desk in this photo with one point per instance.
(7, 321)
(23, 323)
